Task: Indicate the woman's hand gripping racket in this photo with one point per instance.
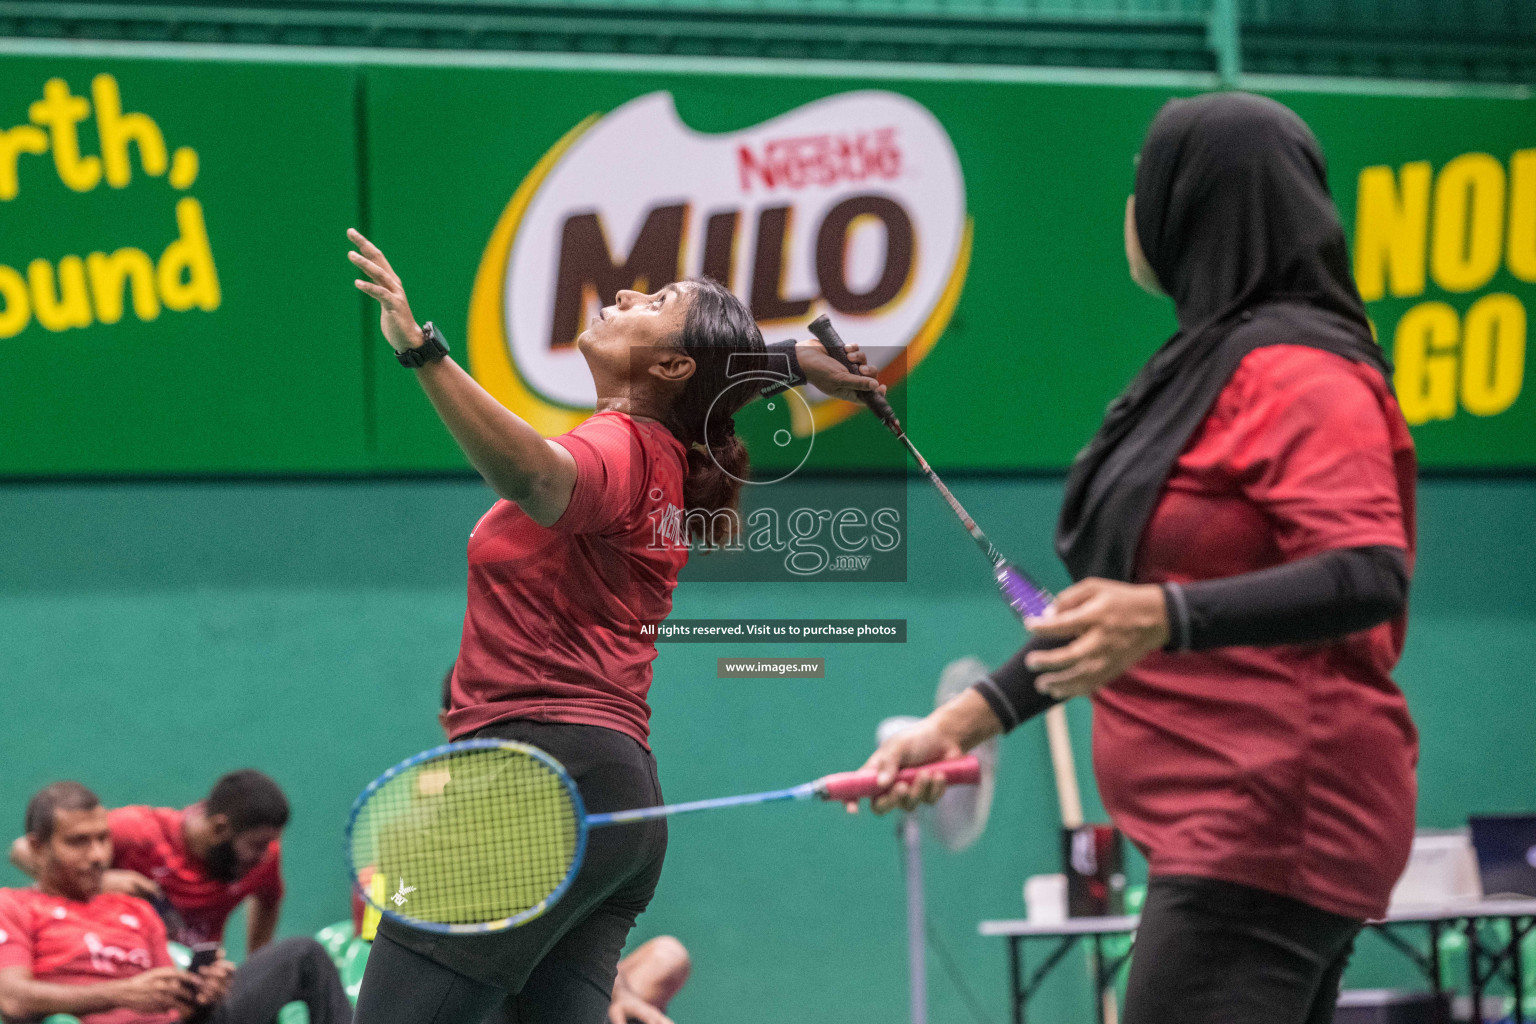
(484, 835)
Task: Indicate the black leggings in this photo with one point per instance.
(1212, 952)
(560, 966)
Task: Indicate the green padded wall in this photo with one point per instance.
(158, 634)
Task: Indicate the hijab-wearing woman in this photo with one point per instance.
(561, 570)
(1241, 529)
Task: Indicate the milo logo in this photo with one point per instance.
(853, 205)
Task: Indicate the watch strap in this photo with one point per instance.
(431, 349)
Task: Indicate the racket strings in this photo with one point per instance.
(470, 837)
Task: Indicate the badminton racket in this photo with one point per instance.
(484, 835)
(1022, 594)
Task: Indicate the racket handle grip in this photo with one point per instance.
(833, 343)
(962, 771)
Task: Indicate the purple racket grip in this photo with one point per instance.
(1021, 593)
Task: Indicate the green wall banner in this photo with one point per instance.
(172, 282)
(172, 298)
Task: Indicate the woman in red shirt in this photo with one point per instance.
(1242, 531)
(584, 547)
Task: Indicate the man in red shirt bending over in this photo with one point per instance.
(68, 946)
(202, 861)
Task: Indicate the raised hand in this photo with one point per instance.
(399, 327)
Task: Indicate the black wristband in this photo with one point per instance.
(796, 375)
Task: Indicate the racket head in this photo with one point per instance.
(471, 837)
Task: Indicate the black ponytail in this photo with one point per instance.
(703, 415)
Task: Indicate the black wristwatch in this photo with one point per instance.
(432, 348)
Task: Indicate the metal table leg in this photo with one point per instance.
(1098, 977)
(1016, 977)
(1436, 979)
(1517, 967)
(1475, 978)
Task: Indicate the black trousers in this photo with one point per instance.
(558, 968)
(1212, 952)
(276, 975)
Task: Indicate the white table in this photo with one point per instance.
(1489, 958)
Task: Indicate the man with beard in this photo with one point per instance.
(67, 946)
(197, 864)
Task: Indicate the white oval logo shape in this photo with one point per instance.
(853, 205)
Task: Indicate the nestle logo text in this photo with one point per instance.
(820, 160)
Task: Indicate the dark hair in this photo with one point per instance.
(717, 326)
(249, 799)
(43, 808)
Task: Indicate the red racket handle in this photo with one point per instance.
(962, 771)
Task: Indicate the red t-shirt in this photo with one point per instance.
(150, 840)
(66, 942)
(550, 630)
(1286, 768)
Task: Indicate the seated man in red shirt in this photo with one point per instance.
(203, 861)
(67, 946)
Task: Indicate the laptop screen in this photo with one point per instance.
(1506, 853)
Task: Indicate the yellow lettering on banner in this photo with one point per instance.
(1424, 350)
(186, 274)
(18, 309)
(110, 273)
(1492, 354)
(75, 292)
(183, 168)
(24, 138)
(1521, 255)
(61, 112)
(116, 130)
(66, 307)
(1469, 222)
(1391, 226)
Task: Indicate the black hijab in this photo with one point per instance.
(1234, 215)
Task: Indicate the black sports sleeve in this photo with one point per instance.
(1324, 597)
(1010, 689)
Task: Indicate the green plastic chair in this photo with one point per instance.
(348, 952)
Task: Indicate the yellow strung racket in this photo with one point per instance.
(483, 835)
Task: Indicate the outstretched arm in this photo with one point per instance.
(261, 922)
(949, 731)
(515, 460)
